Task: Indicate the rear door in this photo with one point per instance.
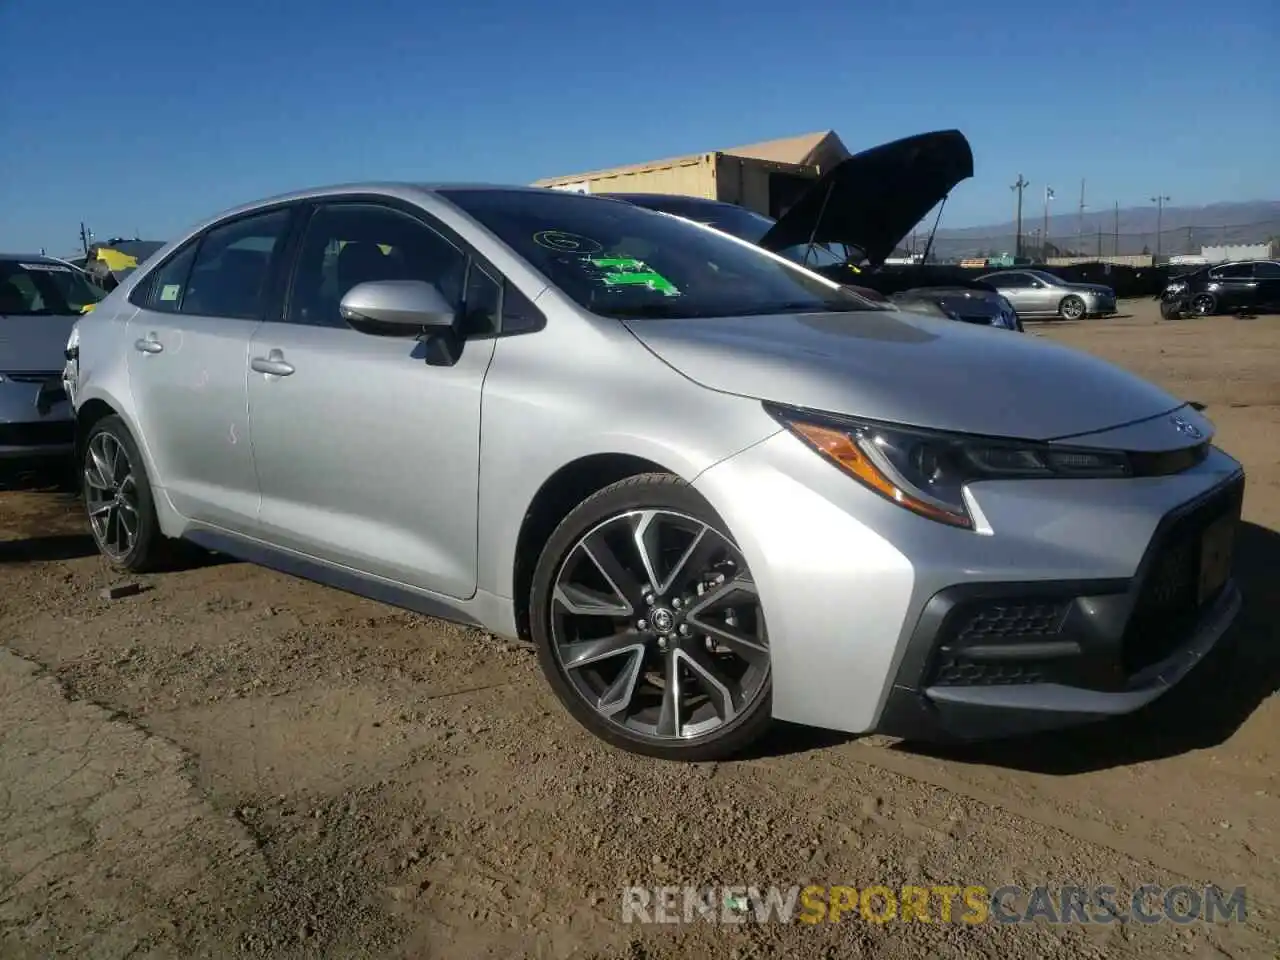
(188, 346)
(367, 455)
(1267, 274)
(1236, 286)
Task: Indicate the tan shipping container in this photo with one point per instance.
(764, 186)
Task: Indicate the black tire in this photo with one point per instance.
(149, 550)
(1170, 311)
(1204, 305)
(1072, 308)
(670, 496)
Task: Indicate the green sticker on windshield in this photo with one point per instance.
(170, 291)
(627, 271)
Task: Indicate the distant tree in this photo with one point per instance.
(1146, 251)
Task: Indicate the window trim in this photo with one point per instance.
(471, 255)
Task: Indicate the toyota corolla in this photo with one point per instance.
(712, 487)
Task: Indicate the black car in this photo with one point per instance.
(1246, 286)
(849, 222)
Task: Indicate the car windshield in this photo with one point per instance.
(42, 288)
(751, 226)
(620, 260)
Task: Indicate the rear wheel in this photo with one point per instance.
(1071, 308)
(118, 499)
(648, 624)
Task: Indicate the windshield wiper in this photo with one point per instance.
(811, 306)
(656, 311)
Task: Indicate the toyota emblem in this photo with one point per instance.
(1186, 427)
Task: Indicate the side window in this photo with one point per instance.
(163, 290)
(519, 314)
(351, 243)
(1235, 271)
(1266, 270)
(233, 263)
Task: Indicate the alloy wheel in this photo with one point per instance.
(111, 495)
(1072, 308)
(657, 624)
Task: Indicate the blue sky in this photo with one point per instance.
(145, 115)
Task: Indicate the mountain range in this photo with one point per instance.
(1182, 229)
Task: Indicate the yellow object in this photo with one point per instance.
(115, 260)
(87, 308)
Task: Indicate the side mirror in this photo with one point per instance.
(396, 308)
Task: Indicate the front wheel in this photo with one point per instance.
(1071, 308)
(1204, 305)
(648, 624)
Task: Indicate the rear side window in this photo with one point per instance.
(1235, 271)
(1266, 270)
(165, 287)
(232, 266)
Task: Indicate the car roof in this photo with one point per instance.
(31, 258)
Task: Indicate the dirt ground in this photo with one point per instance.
(232, 762)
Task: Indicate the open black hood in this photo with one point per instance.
(874, 198)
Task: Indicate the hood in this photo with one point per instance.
(33, 344)
(905, 368)
(874, 198)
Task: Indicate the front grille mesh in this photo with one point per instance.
(954, 672)
(1000, 621)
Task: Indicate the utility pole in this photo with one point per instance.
(1159, 201)
(1044, 249)
(1080, 224)
(84, 238)
(1017, 188)
(1099, 239)
(1116, 228)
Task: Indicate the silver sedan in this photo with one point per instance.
(1036, 293)
(713, 488)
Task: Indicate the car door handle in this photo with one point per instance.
(273, 364)
(148, 345)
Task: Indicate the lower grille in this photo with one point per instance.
(987, 643)
(1167, 606)
(39, 376)
(954, 672)
(36, 434)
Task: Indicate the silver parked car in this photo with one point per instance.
(1036, 293)
(712, 487)
(40, 300)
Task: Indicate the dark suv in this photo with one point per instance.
(1247, 286)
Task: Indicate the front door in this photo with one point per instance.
(187, 349)
(367, 455)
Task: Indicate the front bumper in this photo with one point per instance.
(36, 420)
(1100, 305)
(996, 659)
(863, 598)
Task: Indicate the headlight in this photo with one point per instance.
(73, 343)
(926, 471)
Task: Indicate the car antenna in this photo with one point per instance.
(822, 212)
(936, 220)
